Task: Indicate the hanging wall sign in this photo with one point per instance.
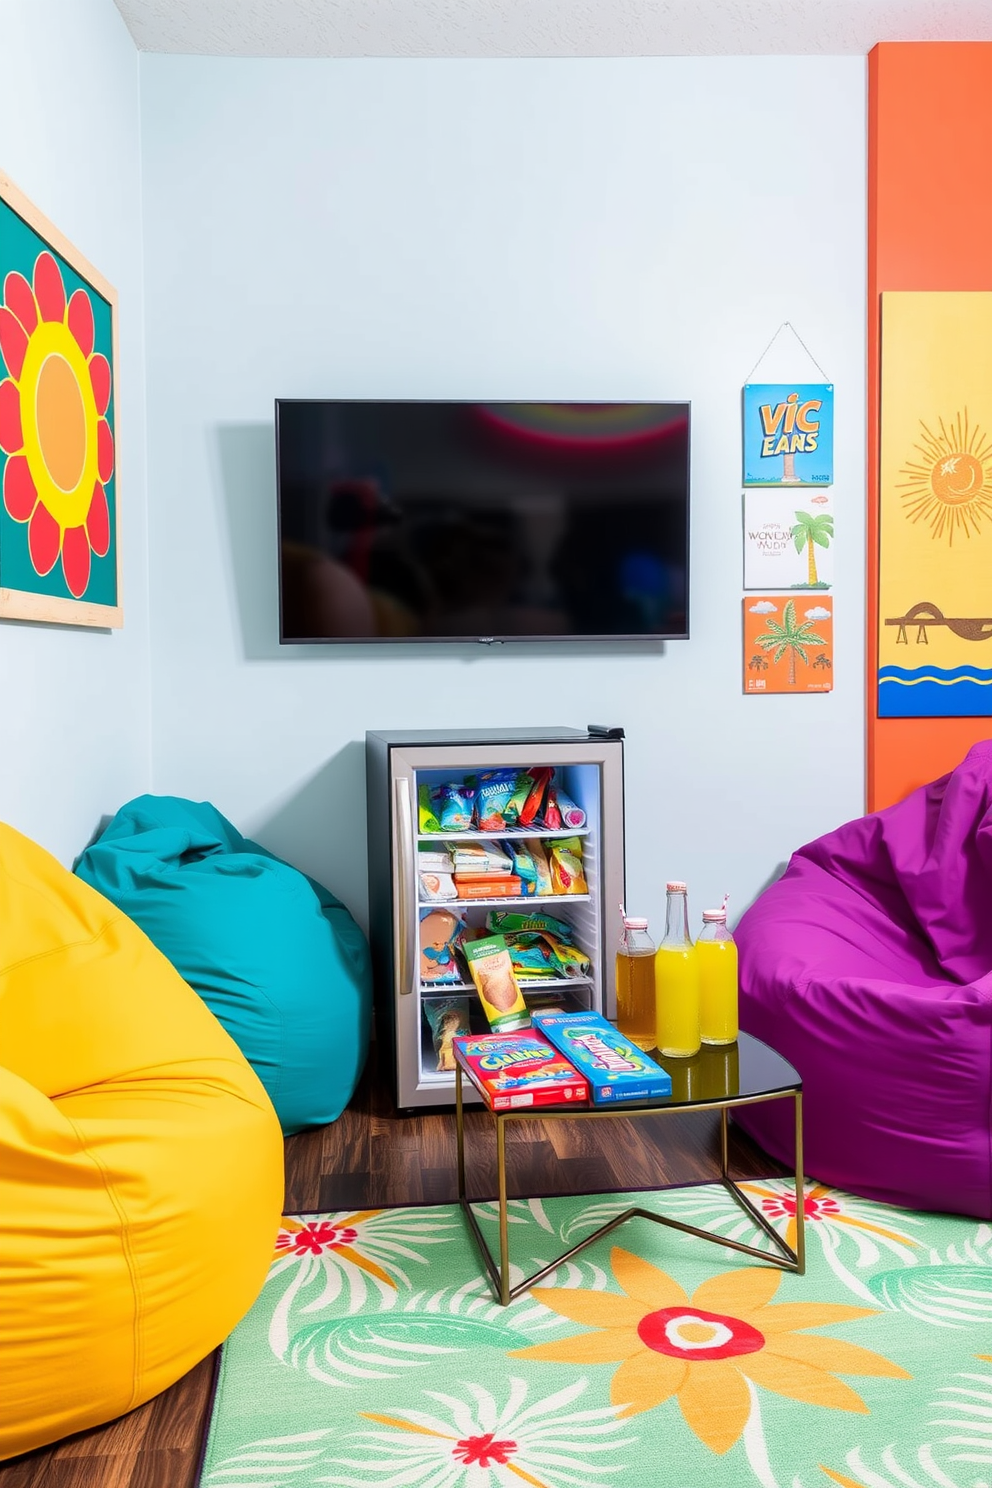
(788, 643)
(788, 434)
(788, 539)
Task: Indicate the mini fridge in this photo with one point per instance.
(588, 768)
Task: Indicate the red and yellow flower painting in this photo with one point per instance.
(58, 528)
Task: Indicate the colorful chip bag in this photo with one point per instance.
(567, 876)
(507, 921)
(542, 867)
(425, 812)
(523, 866)
(531, 808)
(453, 805)
(536, 954)
(493, 791)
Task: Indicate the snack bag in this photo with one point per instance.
(552, 815)
(492, 795)
(425, 812)
(523, 866)
(447, 1018)
(453, 805)
(478, 858)
(521, 791)
(492, 972)
(530, 957)
(505, 921)
(440, 936)
(542, 867)
(532, 805)
(437, 886)
(537, 954)
(567, 876)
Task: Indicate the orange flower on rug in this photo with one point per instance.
(705, 1350)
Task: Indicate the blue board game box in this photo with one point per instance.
(788, 434)
(617, 1070)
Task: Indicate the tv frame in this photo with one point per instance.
(490, 640)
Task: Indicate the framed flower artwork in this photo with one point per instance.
(60, 512)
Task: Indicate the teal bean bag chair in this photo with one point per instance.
(277, 959)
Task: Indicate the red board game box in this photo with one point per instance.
(513, 1071)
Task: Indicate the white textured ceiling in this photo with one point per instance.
(544, 28)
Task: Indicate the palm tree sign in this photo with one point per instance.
(809, 530)
(790, 639)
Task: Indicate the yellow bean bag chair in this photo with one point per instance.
(140, 1161)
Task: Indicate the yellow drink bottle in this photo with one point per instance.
(676, 980)
(716, 955)
(635, 984)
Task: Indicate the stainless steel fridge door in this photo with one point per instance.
(416, 1087)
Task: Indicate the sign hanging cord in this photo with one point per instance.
(786, 325)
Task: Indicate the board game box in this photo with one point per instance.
(516, 1070)
(617, 1070)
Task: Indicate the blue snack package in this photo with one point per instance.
(617, 1070)
(453, 806)
(493, 790)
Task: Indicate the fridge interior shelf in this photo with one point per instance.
(430, 1076)
(531, 985)
(545, 833)
(503, 900)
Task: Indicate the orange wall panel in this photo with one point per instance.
(929, 227)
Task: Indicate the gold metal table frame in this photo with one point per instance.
(499, 1274)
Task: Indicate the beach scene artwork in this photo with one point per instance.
(935, 519)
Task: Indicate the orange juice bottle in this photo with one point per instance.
(676, 980)
(716, 955)
(635, 984)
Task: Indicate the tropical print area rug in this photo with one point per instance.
(376, 1355)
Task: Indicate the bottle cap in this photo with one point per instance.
(632, 922)
(714, 914)
(675, 886)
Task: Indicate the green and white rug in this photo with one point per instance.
(376, 1356)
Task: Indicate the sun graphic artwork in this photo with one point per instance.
(59, 547)
(705, 1350)
(949, 487)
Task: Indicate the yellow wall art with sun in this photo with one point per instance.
(59, 500)
(935, 527)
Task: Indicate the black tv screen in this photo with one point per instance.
(414, 521)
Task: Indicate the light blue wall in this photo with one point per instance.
(511, 229)
(75, 732)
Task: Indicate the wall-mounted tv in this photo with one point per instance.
(431, 521)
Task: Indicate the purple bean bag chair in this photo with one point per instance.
(869, 966)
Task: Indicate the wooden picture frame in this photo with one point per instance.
(60, 550)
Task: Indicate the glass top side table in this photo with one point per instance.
(718, 1078)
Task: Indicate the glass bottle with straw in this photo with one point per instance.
(716, 954)
(635, 982)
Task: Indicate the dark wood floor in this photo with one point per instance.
(369, 1158)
